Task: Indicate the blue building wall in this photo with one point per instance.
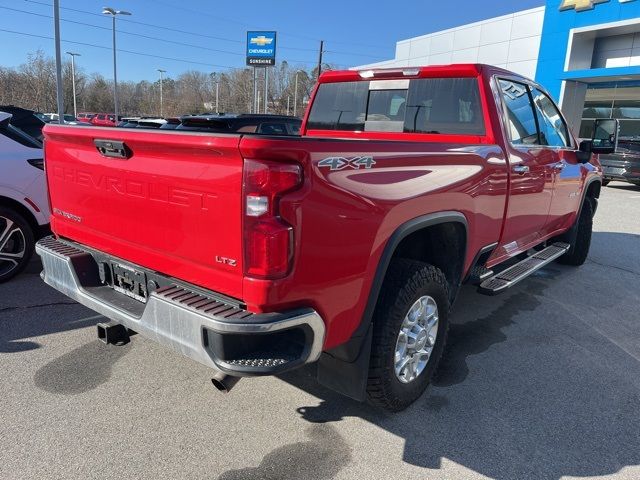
(555, 40)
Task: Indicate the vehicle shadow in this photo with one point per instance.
(527, 388)
(26, 293)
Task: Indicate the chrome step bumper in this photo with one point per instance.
(201, 326)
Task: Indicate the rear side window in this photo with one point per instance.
(520, 115)
(426, 105)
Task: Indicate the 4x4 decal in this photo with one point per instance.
(338, 163)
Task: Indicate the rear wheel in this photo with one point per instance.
(16, 243)
(410, 329)
(577, 254)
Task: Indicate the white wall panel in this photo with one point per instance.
(421, 47)
(526, 68)
(494, 54)
(508, 40)
(527, 25)
(440, 59)
(469, 55)
(496, 31)
(402, 50)
(465, 38)
(442, 43)
(523, 49)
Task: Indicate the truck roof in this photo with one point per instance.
(452, 70)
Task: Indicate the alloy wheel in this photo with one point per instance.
(416, 339)
(12, 245)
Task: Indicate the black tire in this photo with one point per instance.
(605, 182)
(16, 243)
(405, 283)
(579, 250)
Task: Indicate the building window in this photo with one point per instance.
(619, 100)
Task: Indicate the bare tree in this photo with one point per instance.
(32, 85)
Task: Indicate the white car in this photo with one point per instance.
(24, 206)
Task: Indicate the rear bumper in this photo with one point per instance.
(623, 171)
(202, 325)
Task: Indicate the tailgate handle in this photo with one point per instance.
(112, 148)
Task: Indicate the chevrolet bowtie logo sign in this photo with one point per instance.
(261, 48)
(261, 41)
(582, 5)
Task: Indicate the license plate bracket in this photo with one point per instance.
(129, 281)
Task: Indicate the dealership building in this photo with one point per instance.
(585, 52)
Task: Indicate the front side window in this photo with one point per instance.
(521, 119)
(426, 105)
(553, 130)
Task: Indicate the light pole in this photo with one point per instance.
(73, 80)
(162, 72)
(295, 96)
(217, 95)
(56, 29)
(214, 77)
(113, 13)
(266, 89)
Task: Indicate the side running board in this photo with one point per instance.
(512, 275)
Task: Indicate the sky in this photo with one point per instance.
(210, 35)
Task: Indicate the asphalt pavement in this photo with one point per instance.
(542, 382)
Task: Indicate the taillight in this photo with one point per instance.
(268, 240)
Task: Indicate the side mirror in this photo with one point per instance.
(584, 151)
(605, 135)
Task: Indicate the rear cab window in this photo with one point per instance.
(449, 106)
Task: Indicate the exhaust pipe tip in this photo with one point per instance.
(224, 383)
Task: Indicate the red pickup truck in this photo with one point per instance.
(344, 246)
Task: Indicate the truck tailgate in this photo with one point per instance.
(173, 204)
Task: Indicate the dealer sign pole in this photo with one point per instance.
(59, 91)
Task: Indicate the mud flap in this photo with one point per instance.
(346, 377)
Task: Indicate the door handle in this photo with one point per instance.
(520, 169)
